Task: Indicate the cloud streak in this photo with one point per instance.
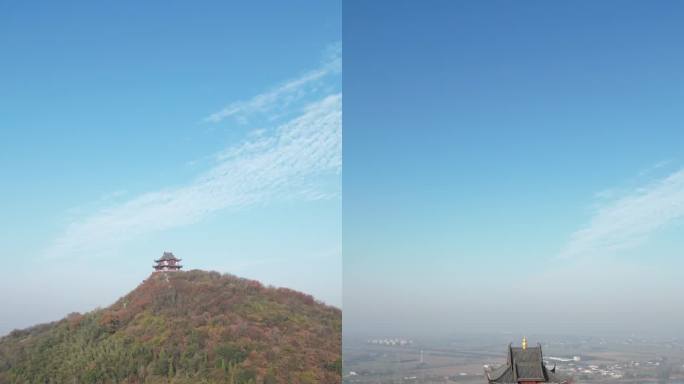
(285, 163)
(626, 221)
(283, 95)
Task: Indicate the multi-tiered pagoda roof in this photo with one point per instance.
(168, 262)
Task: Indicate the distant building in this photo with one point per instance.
(524, 366)
(168, 262)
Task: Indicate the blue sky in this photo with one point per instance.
(212, 130)
(513, 166)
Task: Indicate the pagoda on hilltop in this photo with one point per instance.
(168, 262)
(524, 366)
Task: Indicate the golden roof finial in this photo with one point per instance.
(524, 343)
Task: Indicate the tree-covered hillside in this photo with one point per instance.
(184, 327)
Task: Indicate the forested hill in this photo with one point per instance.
(184, 327)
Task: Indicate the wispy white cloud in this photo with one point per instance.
(284, 163)
(284, 94)
(627, 220)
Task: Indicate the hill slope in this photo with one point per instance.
(184, 327)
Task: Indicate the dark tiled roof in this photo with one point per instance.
(523, 365)
(503, 374)
(168, 256)
(530, 371)
(529, 355)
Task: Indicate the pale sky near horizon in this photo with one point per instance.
(513, 167)
(128, 129)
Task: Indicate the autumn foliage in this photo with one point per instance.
(184, 327)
